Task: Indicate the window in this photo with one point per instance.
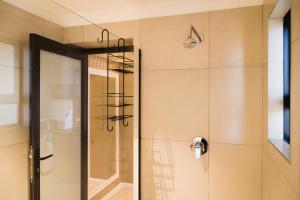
(286, 75)
(279, 78)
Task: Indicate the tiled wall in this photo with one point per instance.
(14, 96)
(213, 90)
(280, 176)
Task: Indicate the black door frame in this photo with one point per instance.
(38, 43)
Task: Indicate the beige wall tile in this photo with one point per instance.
(289, 169)
(236, 37)
(170, 171)
(295, 19)
(275, 186)
(175, 104)
(91, 33)
(268, 2)
(18, 23)
(295, 98)
(13, 172)
(53, 31)
(234, 172)
(162, 39)
(73, 34)
(235, 104)
(265, 104)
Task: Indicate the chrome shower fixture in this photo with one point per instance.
(191, 42)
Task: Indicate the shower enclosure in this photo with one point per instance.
(84, 137)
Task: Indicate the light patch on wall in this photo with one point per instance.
(275, 79)
(8, 114)
(7, 81)
(8, 86)
(7, 75)
(7, 53)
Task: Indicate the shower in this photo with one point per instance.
(191, 42)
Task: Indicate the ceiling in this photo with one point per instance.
(100, 11)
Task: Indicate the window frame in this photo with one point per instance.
(286, 75)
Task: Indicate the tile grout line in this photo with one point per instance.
(217, 143)
(201, 68)
(262, 100)
(281, 173)
(208, 97)
(12, 145)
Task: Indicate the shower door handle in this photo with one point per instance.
(46, 157)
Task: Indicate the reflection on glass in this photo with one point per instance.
(60, 106)
(103, 165)
(9, 85)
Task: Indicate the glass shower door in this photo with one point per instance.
(59, 127)
(58, 136)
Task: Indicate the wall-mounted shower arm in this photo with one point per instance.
(193, 30)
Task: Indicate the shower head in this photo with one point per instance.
(191, 42)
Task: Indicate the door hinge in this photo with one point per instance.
(30, 157)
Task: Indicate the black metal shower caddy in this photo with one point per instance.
(127, 64)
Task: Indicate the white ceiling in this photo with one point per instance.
(100, 11)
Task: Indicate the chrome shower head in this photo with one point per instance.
(191, 42)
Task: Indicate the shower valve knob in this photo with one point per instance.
(199, 146)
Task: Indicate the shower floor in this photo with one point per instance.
(123, 191)
(95, 186)
(123, 194)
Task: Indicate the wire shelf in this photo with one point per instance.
(120, 117)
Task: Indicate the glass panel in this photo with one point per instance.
(103, 144)
(60, 107)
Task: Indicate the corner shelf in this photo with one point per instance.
(121, 58)
(125, 71)
(119, 105)
(118, 95)
(122, 65)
